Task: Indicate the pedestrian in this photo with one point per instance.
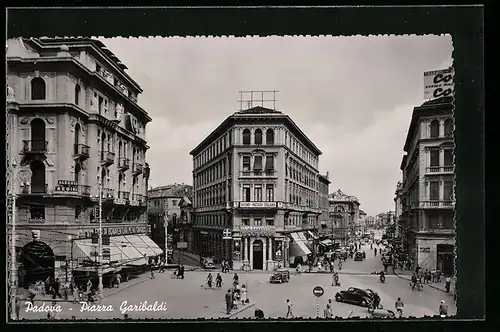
(66, 290)
(289, 311)
(75, 292)
(18, 308)
(229, 301)
(152, 272)
(218, 281)
(448, 284)
(89, 286)
(443, 309)
(259, 313)
(56, 286)
(328, 309)
(235, 299)
(244, 298)
(399, 305)
(118, 280)
(53, 314)
(236, 279)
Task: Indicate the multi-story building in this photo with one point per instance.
(428, 184)
(164, 202)
(398, 210)
(255, 182)
(344, 215)
(370, 222)
(324, 218)
(77, 125)
(362, 221)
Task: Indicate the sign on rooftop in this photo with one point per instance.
(439, 83)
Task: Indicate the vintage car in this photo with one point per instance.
(358, 296)
(341, 253)
(208, 263)
(359, 256)
(280, 276)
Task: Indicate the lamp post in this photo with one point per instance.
(165, 224)
(24, 175)
(99, 243)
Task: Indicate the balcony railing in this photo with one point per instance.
(258, 173)
(124, 195)
(35, 146)
(436, 204)
(81, 151)
(123, 164)
(35, 189)
(440, 169)
(136, 168)
(107, 158)
(71, 188)
(108, 193)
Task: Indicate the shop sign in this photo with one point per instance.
(425, 249)
(121, 230)
(257, 205)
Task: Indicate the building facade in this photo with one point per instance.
(77, 124)
(164, 202)
(256, 176)
(324, 219)
(428, 186)
(344, 215)
(398, 210)
(362, 221)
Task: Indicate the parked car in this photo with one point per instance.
(358, 296)
(358, 256)
(280, 276)
(208, 263)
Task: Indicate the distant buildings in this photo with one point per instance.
(324, 205)
(256, 183)
(166, 201)
(74, 121)
(344, 215)
(427, 197)
(362, 221)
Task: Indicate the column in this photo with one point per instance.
(244, 241)
(250, 262)
(441, 158)
(441, 190)
(270, 250)
(441, 127)
(264, 261)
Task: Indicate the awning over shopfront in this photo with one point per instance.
(298, 247)
(140, 245)
(154, 247)
(311, 234)
(85, 250)
(133, 256)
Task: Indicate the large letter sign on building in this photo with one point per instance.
(438, 83)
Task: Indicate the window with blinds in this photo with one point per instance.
(257, 165)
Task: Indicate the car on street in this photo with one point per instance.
(359, 256)
(280, 276)
(358, 296)
(208, 263)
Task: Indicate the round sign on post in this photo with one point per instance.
(318, 291)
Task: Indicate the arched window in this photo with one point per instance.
(37, 89)
(38, 142)
(38, 178)
(77, 137)
(270, 137)
(77, 172)
(258, 136)
(77, 94)
(246, 137)
(434, 129)
(448, 127)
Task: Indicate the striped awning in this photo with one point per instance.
(298, 247)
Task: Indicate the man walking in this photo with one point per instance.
(448, 284)
(289, 311)
(443, 309)
(229, 301)
(399, 305)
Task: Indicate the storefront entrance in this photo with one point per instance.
(38, 262)
(258, 253)
(446, 259)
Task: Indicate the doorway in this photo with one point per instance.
(38, 262)
(258, 253)
(446, 259)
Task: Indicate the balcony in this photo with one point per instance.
(81, 151)
(298, 208)
(71, 188)
(108, 193)
(35, 189)
(258, 173)
(436, 204)
(123, 164)
(136, 169)
(440, 169)
(107, 158)
(35, 147)
(137, 200)
(122, 198)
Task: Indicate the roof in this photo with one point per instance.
(324, 178)
(341, 197)
(256, 112)
(428, 108)
(100, 46)
(175, 190)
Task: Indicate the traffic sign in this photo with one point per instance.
(227, 234)
(318, 291)
(182, 245)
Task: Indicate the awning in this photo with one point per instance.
(140, 245)
(157, 250)
(301, 236)
(133, 256)
(311, 234)
(85, 250)
(298, 247)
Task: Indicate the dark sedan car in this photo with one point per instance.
(359, 256)
(358, 296)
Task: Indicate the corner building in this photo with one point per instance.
(427, 190)
(77, 123)
(256, 176)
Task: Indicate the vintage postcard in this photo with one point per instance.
(225, 177)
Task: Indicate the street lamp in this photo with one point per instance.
(99, 245)
(24, 175)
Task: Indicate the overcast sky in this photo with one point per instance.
(353, 97)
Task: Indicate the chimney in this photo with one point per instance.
(328, 175)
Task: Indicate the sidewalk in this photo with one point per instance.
(406, 274)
